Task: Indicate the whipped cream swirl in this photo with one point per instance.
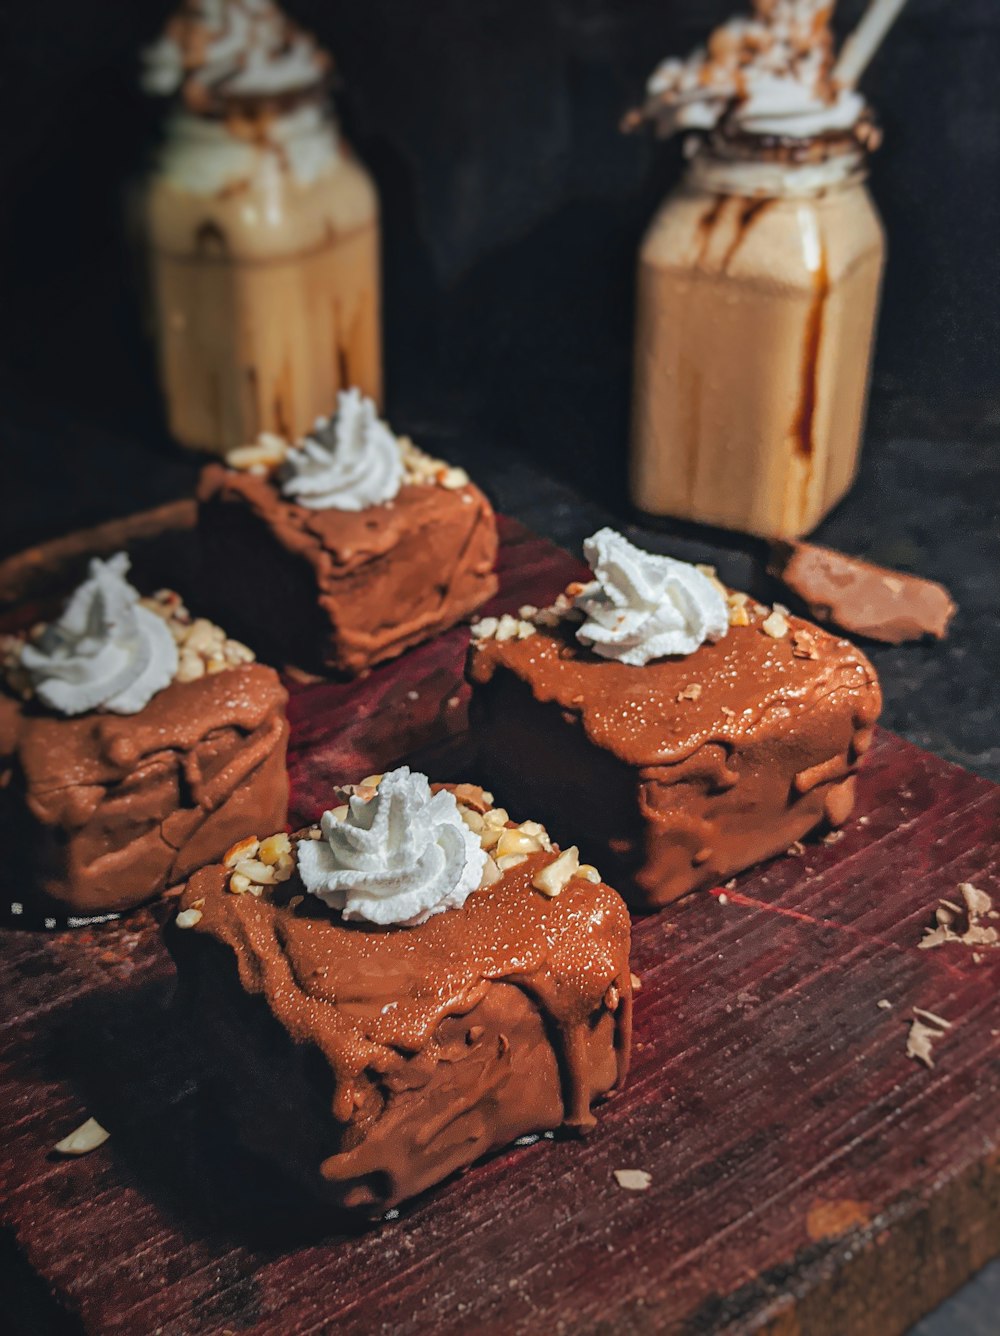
(399, 858)
(218, 49)
(348, 462)
(769, 74)
(642, 607)
(105, 651)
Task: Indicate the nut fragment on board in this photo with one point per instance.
(633, 1180)
(963, 924)
(926, 1029)
(87, 1137)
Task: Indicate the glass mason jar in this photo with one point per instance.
(758, 289)
(263, 247)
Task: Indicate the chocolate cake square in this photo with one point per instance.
(682, 770)
(102, 810)
(329, 588)
(368, 1062)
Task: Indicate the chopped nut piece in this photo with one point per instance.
(473, 797)
(272, 848)
(804, 645)
(738, 615)
(515, 841)
(919, 1041)
(87, 1137)
(552, 879)
(372, 782)
(491, 874)
(589, 873)
(239, 884)
(243, 849)
(633, 1180)
(453, 479)
(775, 626)
(472, 819)
(256, 871)
(266, 453)
(977, 902)
(932, 1018)
(190, 666)
(485, 629)
(187, 918)
(538, 832)
(511, 861)
(636, 983)
(691, 692)
(795, 849)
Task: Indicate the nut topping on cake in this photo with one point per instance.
(202, 647)
(269, 455)
(259, 863)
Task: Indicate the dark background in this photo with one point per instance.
(513, 211)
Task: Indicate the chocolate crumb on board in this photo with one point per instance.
(860, 597)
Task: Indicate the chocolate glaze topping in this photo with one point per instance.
(682, 772)
(123, 805)
(373, 998)
(385, 578)
(750, 683)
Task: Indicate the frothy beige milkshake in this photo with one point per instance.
(262, 232)
(758, 284)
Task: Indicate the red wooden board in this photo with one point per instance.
(805, 1174)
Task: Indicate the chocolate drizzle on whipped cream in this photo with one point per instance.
(766, 77)
(216, 52)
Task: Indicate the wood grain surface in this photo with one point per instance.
(805, 1174)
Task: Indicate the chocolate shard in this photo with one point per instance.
(860, 597)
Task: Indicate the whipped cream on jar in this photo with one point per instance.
(641, 606)
(348, 462)
(396, 858)
(105, 651)
(231, 49)
(769, 75)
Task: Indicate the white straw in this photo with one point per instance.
(865, 41)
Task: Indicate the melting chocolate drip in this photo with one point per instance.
(805, 419)
(750, 210)
(706, 226)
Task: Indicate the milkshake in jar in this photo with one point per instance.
(261, 231)
(759, 282)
